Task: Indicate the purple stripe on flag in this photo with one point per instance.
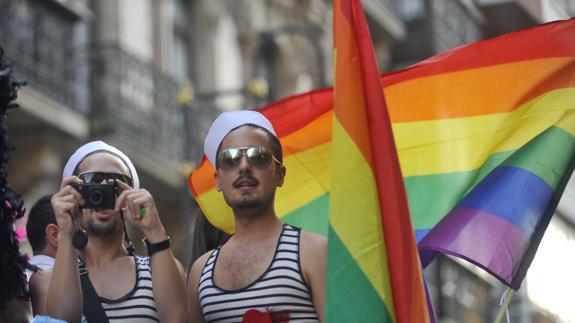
(513, 193)
(480, 237)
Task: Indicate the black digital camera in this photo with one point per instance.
(98, 196)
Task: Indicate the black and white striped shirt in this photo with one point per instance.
(281, 289)
(138, 304)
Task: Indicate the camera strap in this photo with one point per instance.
(127, 239)
(93, 310)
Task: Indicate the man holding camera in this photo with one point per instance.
(104, 281)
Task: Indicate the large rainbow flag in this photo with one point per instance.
(373, 268)
(484, 135)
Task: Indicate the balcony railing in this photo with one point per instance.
(38, 36)
(390, 5)
(454, 24)
(435, 26)
(136, 104)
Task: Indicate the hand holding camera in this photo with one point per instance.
(66, 205)
(139, 208)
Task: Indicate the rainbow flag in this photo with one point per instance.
(457, 118)
(519, 127)
(373, 268)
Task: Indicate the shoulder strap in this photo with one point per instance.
(93, 310)
(213, 253)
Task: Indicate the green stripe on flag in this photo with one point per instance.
(350, 297)
(431, 197)
(312, 216)
(549, 156)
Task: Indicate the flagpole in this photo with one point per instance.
(504, 305)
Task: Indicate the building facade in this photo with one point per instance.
(149, 76)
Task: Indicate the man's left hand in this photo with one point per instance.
(139, 207)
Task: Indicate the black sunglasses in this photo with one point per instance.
(258, 157)
(102, 177)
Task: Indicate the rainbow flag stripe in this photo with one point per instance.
(373, 268)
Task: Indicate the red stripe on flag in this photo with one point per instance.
(295, 112)
(554, 40)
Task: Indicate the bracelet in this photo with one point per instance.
(158, 246)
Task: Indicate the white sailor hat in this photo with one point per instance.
(229, 121)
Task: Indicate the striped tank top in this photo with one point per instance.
(280, 290)
(138, 304)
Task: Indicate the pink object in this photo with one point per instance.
(20, 234)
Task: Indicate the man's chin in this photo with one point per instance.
(247, 206)
(102, 228)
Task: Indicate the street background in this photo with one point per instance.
(149, 76)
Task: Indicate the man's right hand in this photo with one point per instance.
(66, 205)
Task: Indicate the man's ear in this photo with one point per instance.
(52, 235)
(218, 186)
(280, 175)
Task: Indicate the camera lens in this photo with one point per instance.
(96, 197)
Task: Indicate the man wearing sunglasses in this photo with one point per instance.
(95, 278)
(267, 270)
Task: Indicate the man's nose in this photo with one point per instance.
(244, 163)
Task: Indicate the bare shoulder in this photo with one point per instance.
(41, 279)
(201, 262)
(312, 242)
(193, 284)
(196, 270)
(313, 255)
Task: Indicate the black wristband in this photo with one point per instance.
(155, 247)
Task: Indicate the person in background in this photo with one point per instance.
(42, 233)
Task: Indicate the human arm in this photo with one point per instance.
(39, 282)
(193, 283)
(66, 306)
(313, 253)
(167, 272)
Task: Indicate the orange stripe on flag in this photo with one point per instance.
(349, 86)
(457, 95)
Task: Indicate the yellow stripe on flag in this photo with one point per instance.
(359, 229)
(463, 144)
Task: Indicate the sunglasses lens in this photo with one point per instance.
(90, 178)
(120, 177)
(259, 157)
(99, 178)
(229, 158)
